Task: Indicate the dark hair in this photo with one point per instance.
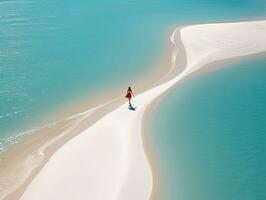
(129, 89)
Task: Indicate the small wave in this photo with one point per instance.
(10, 114)
(6, 142)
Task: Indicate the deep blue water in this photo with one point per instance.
(210, 135)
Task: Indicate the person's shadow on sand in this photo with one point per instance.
(130, 107)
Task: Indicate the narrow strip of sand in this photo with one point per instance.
(107, 160)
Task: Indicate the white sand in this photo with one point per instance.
(107, 161)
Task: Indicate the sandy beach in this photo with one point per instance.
(105, 157)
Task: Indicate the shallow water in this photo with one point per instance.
(210, 135)
(53, 53)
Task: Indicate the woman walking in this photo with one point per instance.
(129, 95)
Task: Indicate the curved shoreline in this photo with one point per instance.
(144, 100)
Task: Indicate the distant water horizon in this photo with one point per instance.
(211, 141)
(52, 54)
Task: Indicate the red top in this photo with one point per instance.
(129, 94)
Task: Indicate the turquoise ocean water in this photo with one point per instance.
(211, 142)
